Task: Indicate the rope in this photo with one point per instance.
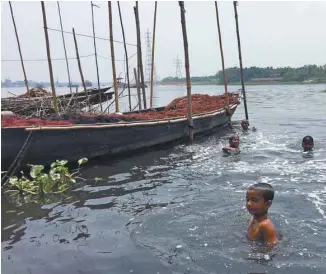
(91, 36)
(45, 60)
(63, 59)
(16, 163)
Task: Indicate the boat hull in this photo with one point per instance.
(72, 143)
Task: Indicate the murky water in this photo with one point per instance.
(181, 209)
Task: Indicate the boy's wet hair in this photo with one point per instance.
(231, 138)
(266, 189)
(308, 139)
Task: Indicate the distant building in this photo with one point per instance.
(88, 83)
(7, 83)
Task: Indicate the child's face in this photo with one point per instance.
(256, 204)
(244, 125)
(235, 142)
(307, 146)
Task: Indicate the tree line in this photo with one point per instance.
(311, 73)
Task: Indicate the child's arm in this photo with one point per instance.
(228, 149)
(269, 232)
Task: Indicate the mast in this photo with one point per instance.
(116, 95)
(55, 103)
(223, 67)
(98, 77)
(18, 43)
(185, 45)
(140, 59)
(64, 47)
(126, 54)
(240, 59)
(153, 51)
(80, 68)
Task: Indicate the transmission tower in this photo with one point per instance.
(178, 64)
(148, 69)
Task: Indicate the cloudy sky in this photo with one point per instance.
(272, 34)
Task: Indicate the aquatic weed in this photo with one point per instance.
(39, 183)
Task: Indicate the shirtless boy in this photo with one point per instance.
(234, 145)
(258, 200)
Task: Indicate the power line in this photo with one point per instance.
(61, 59)
(90, 36)
(41, 60)
(117, 59)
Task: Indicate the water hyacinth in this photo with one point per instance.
(57, 180)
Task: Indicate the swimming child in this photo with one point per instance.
(307, 143)
(245, 126)
(258, 200)
(234, 145)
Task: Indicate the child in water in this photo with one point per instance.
(307, 143)
(258, 200)
(245, 126)
(234, 145)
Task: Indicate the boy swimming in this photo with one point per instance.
(307, 143)
(258, 200)
(234, 145)
(245, 126)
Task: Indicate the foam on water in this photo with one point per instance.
(280, 164)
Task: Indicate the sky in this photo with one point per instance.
(272, 34)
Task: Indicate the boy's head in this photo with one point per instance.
(234, 141)
(307, 143)
(245, 124)
(259, 198)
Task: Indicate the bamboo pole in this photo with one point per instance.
(140, 59)
(185, 44)
(80, 68)
(153, 51)
(126, 54)
(138, 88)
(55, 103)
(240, 59)
(223, 67)
(98, 77)
(116, 95)
(64, 47)
(19, 49)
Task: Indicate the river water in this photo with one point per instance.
(180, 209)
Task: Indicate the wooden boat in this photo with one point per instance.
(45, 144)
(93, 95)
(29, 105)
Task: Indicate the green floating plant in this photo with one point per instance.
(58, 180)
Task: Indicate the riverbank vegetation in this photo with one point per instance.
(308, 74)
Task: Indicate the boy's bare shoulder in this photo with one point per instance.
(266, 224)
(269, 231)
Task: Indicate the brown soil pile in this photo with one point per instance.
(201, 103)
(21, 122)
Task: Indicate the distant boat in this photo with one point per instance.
(73, 86)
